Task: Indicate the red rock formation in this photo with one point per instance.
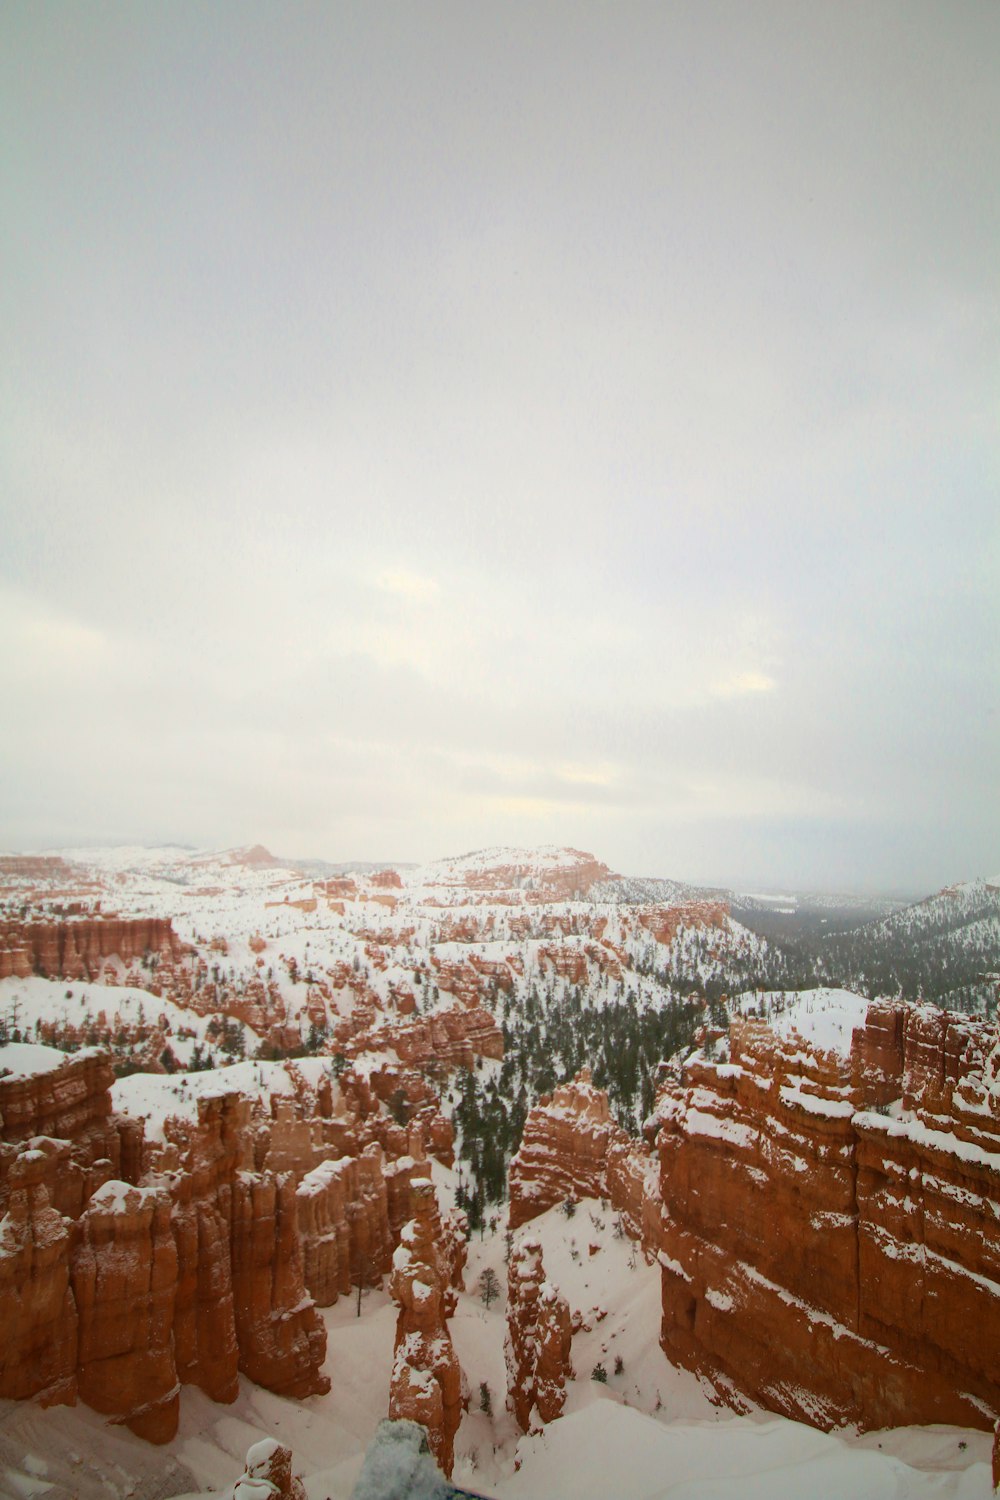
(834, 1263)
(124, 1278)
(571, 1148)
(539, 1341)
(568, 880)
(407, 1091)
(463, 980)
(38, 1353)
(207, 1157)
(664, 922)
(564, 1149)
(185, 1278)
(324, 1231)
(70, 1101)
(449, 1038)
(453, 1242)
(268, 1473)
(426, 1385)
(633, 1189)
(281, 1337)
(202, 1263)
(78, 949)
(17, 868)
(569, 963)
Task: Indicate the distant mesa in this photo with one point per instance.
(550, 872)
(256, 856)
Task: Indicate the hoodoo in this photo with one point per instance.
(539, 1340)
(426, 1385)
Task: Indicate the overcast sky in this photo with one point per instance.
(427, 426)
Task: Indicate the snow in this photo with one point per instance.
(398, 1467)
(26, 1059)
(826, 1018)
(609, 1450)
(155, 1096)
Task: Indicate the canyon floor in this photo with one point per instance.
(648, 1433)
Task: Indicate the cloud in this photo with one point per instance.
(389, 470)
(743, 685)
(407, 585)
(578, 775)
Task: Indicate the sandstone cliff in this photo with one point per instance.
(78, 949)
(829, 1242)
(572, 1148)
(825, 1220)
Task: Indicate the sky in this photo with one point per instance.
(425, 427)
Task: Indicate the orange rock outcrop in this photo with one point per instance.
(38, 1355)
(825, 1222)
(829, 1239)
(129, 1267)
(539, 1341)
(564, 1150)
(450, 1038)
(124, 1280)
(426, 1383)
(79, 949)
(664, 922)
(281, 1337)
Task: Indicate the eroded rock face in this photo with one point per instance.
(69, 1102)
(450, 1038)
(564, 1150)
(832, 1262)
(202, 1265)
(539, 1341)
(124, 1279)
(344, 1221)
(426, 1384)
(281, 1337)
(664, 922)
(572, 1148)
(38, 1351)
(206, 1159)
(77, 949)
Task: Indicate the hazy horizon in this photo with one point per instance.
(432, 428)
(744, 887)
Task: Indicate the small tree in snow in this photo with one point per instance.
(489, 1286)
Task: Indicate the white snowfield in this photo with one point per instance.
(26, 1059)
(826, 1018)
(154, 1096)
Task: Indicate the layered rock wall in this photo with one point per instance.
(829, 1236)
(79, 949)
(571, 1148)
